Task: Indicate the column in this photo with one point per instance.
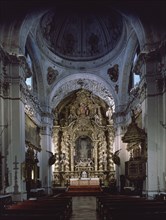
(110, 147)
(56, 146)
(46, 171)
(155, 132)
(96, 155)
(16, 135)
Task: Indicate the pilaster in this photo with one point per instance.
(46, 145)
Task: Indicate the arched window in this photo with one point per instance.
(136, 77)
(28, 79)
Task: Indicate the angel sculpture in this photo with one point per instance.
(52, 158)
(116, 158)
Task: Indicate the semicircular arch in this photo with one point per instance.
(95, 84)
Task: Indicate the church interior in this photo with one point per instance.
(83, 108)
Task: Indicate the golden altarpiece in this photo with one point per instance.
(83, 136)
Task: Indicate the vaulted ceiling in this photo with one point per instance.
(90, 45)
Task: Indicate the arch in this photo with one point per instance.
(16, 35)
(30, 21)
(94, 84)
(127, 64)
(137, 26)
(37, 67)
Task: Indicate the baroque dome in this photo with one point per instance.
(79, 35)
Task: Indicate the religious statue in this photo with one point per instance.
(104, 160)
(98, 119)
(89, 162)
(109, 114)
(83, 150)
(62, 161)
(81, 164)
(83, 109)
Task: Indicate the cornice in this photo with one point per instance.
(16, 59)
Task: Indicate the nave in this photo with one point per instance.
(103, 206)
(82, 97)
(84, 207)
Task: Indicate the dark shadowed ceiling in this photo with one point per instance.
(81, 35)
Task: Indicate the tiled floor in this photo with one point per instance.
(84, 208)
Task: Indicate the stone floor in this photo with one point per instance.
(84, 208)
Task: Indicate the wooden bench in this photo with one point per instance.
(58, 208)
(118, 207)
(5, 200)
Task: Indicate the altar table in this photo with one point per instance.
(84, 182)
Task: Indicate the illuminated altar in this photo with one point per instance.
(87, 143)
(84, 182)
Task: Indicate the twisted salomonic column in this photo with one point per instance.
(67, 143)
(56, 148)
(65, 147)
(100, 157)
(72, 153)
(102, 147)
(110, 148)
(95, 156)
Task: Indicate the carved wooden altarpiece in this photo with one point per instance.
(82, 133)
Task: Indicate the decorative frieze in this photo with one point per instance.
(17, 59)
(91, 85)
(51, 75)
(4, 89)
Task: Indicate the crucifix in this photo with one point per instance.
(15, 177)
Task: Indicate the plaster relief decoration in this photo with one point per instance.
(51, 75)
(92, 85)
(113, 73)
(29, 110)
(84, 139)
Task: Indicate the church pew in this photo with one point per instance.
(47, 202)
(5, 200)
(130, 207)
(109, 207)
(34, 217)
(134, 211)
(57, 212)
(53, 207)
(136, 216)
(103, 199)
